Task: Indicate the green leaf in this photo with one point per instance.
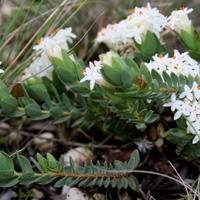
(37, 165)
(155, 86)
(126, 76)
(84, 182)
(133, 65)
(42, 162)
(174, 135)
(113, 182)
(78, 121)
(124, 182)
(73, 182)
(141, 126)
(72, 165)
(45, 179)
(24, 163)
(61, 182)
(132, 182)
(195, 54)
(3, 90)
(33, 110)
(106, 182)
(167, 78)
(27, 178)
(52, 163)
(75, 113)
(153, 118)
(9, 105)
(143, 57)
(57, 63)
(37, 91)
(145, 73)
(24, 101)
(67, 61)
(66, 76)
(56, 112)
(6, 174)
(61, 120)
(80, 89)
(134, 160)
(111, 75)
(67, 102)
(148, 115)
(119, 184)
(47, 100)
(175, 80)
(9, 182)
(188, 39)
(150, 44)
(157, 77)
(6, 162)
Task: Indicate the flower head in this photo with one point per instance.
(179, 63)
(92, 74)
(50, 47)
(179, 20)
(135, 26)
(187, 104)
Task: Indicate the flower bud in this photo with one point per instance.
(112, 67)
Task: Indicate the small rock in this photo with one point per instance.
(76, 194)
(37, 194)
(8, 195)
(44, 141)
(14, 138)
(79, 155)
(5, 129)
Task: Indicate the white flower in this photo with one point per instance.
(63, 37)
(41, 66)
(195, 111)
(52, 49)
(181, 107)
(179, 20)
(173, 103)
(187, 93)
(159, 63)
(92, 74)
(194, 128)
(196, 90)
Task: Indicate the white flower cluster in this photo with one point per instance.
(178, 20)
(179, 63)
(92, 74)
(187, 104)
(135, 26)
(50, 47)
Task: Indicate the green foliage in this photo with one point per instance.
(107, 175)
